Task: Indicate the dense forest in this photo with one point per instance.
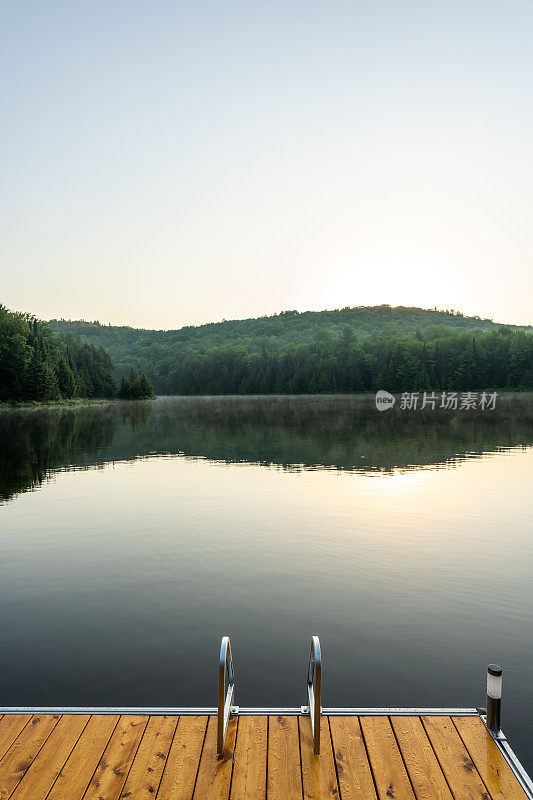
(348, 350)
(37, 364)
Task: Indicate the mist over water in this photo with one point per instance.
(135, 534)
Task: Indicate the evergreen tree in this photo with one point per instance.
(134, 385)
(13, 354)
(40, 382)
(65, 379)
(146, 387)
(124, 388)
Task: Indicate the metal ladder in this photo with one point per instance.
(226, 692)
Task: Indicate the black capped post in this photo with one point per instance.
(494, 698)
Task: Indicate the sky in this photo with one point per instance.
(174, 163)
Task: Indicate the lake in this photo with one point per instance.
(135, 534)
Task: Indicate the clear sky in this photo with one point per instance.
(171, 163)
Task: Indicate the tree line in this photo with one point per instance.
(449, 360)
(37, 364)
(308, 352)
(304, 353)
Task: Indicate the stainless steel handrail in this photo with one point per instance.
(225, 697)
(314, 691)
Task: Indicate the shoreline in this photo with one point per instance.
(68, 403)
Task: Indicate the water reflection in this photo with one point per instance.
(116, 583)
(336, 432)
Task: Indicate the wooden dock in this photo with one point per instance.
(102, 756)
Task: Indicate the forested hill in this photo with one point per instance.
(351, 349)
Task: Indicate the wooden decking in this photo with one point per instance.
(104, 757)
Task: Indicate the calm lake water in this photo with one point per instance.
(134, 535)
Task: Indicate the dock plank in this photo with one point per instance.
(181, 769)
(20, 756)
(171, 757)
(426, 775)
(319, 777)
(353, 769)
(112, 770)
(392, 780)
(459, 769)
(79, 768)
(214, 774)
(489, 760)
(284, 777)
(146, 771)
(250, 768)
(47, 765)
(10, 727)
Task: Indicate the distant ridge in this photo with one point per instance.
(382, 315)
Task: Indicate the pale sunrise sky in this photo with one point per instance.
(173, 163)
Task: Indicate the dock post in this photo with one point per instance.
(494, 698)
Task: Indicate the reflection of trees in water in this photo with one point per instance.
(339, 432)
(35, 442)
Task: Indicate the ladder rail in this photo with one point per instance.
(225, 696)
(314, 691)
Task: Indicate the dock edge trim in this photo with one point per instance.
(519, 771)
